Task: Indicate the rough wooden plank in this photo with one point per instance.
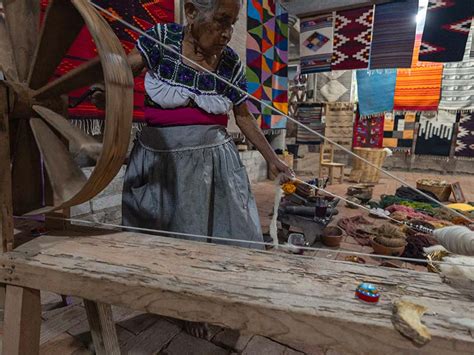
(285, 297)
(6, 209)
(102, 328)
(64, 344)
(22, 321)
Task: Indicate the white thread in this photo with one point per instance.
(207, 238)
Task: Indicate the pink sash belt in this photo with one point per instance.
(182, 116)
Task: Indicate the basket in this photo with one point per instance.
(442, 192)
(363, 172)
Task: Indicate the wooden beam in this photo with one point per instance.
(104, 334)
(292, 299)
(6, 209)
(22, 321)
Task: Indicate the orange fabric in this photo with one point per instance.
(418, 88)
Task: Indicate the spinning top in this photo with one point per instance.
(367, 292)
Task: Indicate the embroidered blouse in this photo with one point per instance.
(170, 83)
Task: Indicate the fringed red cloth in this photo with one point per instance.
(141, 14)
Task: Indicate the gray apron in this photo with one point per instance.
(190, 179)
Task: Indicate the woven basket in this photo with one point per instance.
(363, 172)
(442, 193)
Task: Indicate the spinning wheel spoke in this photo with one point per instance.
(26, 173)
(7, 64)
(66, 178)
(61, 26)
(86, 74)
(22, 18)
(80, 142)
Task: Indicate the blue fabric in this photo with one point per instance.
(376, 91)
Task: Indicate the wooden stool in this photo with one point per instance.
(326, 161)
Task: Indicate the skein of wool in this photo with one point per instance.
(456, 239)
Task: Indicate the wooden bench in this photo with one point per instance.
(292, 299)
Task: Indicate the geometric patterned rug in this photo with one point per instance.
(267, 61)
(435, 133)
(316, 43)
(465, 137)
(399, 130)
(352, 37)
(334, 86)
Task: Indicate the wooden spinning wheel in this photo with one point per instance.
(40, 135)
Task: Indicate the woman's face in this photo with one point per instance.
(213, 31)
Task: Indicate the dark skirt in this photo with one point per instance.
(190, 179)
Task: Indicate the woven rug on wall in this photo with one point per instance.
(142, 15)
(465, 137)
(399, 131)
(339, 123)
(375, 90)
(316, 40)
(352, 38)
(418, 88)
(457, 86)
(368, 132)
(267, 61)
(311, 116)
(435, 133)
(334, 86)
(446, 29)
(393, 36)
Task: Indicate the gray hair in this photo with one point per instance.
(206, 7)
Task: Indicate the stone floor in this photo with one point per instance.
(65, 329)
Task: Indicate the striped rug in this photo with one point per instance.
(393, 36)
(418, 88)
(316, 48)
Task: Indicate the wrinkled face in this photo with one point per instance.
(213, 30)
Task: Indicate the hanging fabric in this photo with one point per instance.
(394, 33)
(352, 37)
(334, 86)
(316, 43)
(399, 131)
(457, 86)
(368, 132)
(376, 90)
(435, 133)
(446, 29)
(418, 88)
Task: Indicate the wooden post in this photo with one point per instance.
(22, 321)
(102, 327)
(6, 209)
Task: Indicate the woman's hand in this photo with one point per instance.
(278, 166)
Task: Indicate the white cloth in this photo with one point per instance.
(169, 96)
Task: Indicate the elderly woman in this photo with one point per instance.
(184, 174)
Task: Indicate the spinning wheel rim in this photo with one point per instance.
(118, 80)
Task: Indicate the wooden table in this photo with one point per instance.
(289, 298)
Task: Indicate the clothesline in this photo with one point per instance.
(117, 18)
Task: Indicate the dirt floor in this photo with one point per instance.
(65, 329)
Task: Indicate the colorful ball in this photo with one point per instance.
(367, 292)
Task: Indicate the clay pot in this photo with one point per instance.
(332, 236)
(384, 250)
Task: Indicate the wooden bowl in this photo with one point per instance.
(383, 250)
(332, 236)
